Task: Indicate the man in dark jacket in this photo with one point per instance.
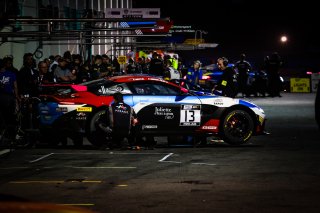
(120, 120)
(227, 83)
(243, 68)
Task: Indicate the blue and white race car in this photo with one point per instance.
(162, 107)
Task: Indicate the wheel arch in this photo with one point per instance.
(95, 136)
(239, 107)
(94, 111)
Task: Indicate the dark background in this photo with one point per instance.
(252, 27)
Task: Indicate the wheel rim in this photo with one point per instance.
(238, 126)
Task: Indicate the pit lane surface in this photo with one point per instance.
(279, 172)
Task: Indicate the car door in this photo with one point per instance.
(163, 109)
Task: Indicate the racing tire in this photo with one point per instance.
(94, 134)
(237, 127)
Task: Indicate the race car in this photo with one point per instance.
(163, 109)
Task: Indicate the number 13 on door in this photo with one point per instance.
(190, 115)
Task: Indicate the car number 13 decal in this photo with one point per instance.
(190, 115)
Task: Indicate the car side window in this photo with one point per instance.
(123, 88)
(154, 88)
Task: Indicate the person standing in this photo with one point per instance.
(195, 73)
(28, 77)
(8, 64)
(243, 68)
(227, 83)
(45, 77)
(170, 73)
(156, 65)
(62, 73)
(131, 67)
(272, 66)
(8, 98)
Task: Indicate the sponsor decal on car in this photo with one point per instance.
(218, 102)
(81, 116)
(164, 111)
(84, 109)
(62, 109)
(103, 90)
(209, 127)
(149, 126)
(190, 115)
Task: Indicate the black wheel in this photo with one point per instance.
(94, 134)
(237, 127)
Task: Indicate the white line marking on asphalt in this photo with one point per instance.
(163, 160)
(208, 164)
(38, 159)
(165, 157)
(5, 151)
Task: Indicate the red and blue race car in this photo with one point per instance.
(163, 109)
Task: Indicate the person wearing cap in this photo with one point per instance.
(195, 73)
(62, 74)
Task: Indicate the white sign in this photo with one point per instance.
(132, 13)
(190, 115)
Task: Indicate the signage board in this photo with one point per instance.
(299, 85)
(122, 59)
(132, 13)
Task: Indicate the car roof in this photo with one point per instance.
(139, 77)
(135, 77)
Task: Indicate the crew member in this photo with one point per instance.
(243, 68)
(227, 83)
(170, 73)
(195, 73)
(121, 118)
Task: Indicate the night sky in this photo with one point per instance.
(253, 27)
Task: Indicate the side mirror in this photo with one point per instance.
(183, 91)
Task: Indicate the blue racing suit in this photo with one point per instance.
(193, 76)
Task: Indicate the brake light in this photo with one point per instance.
(79, 88)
